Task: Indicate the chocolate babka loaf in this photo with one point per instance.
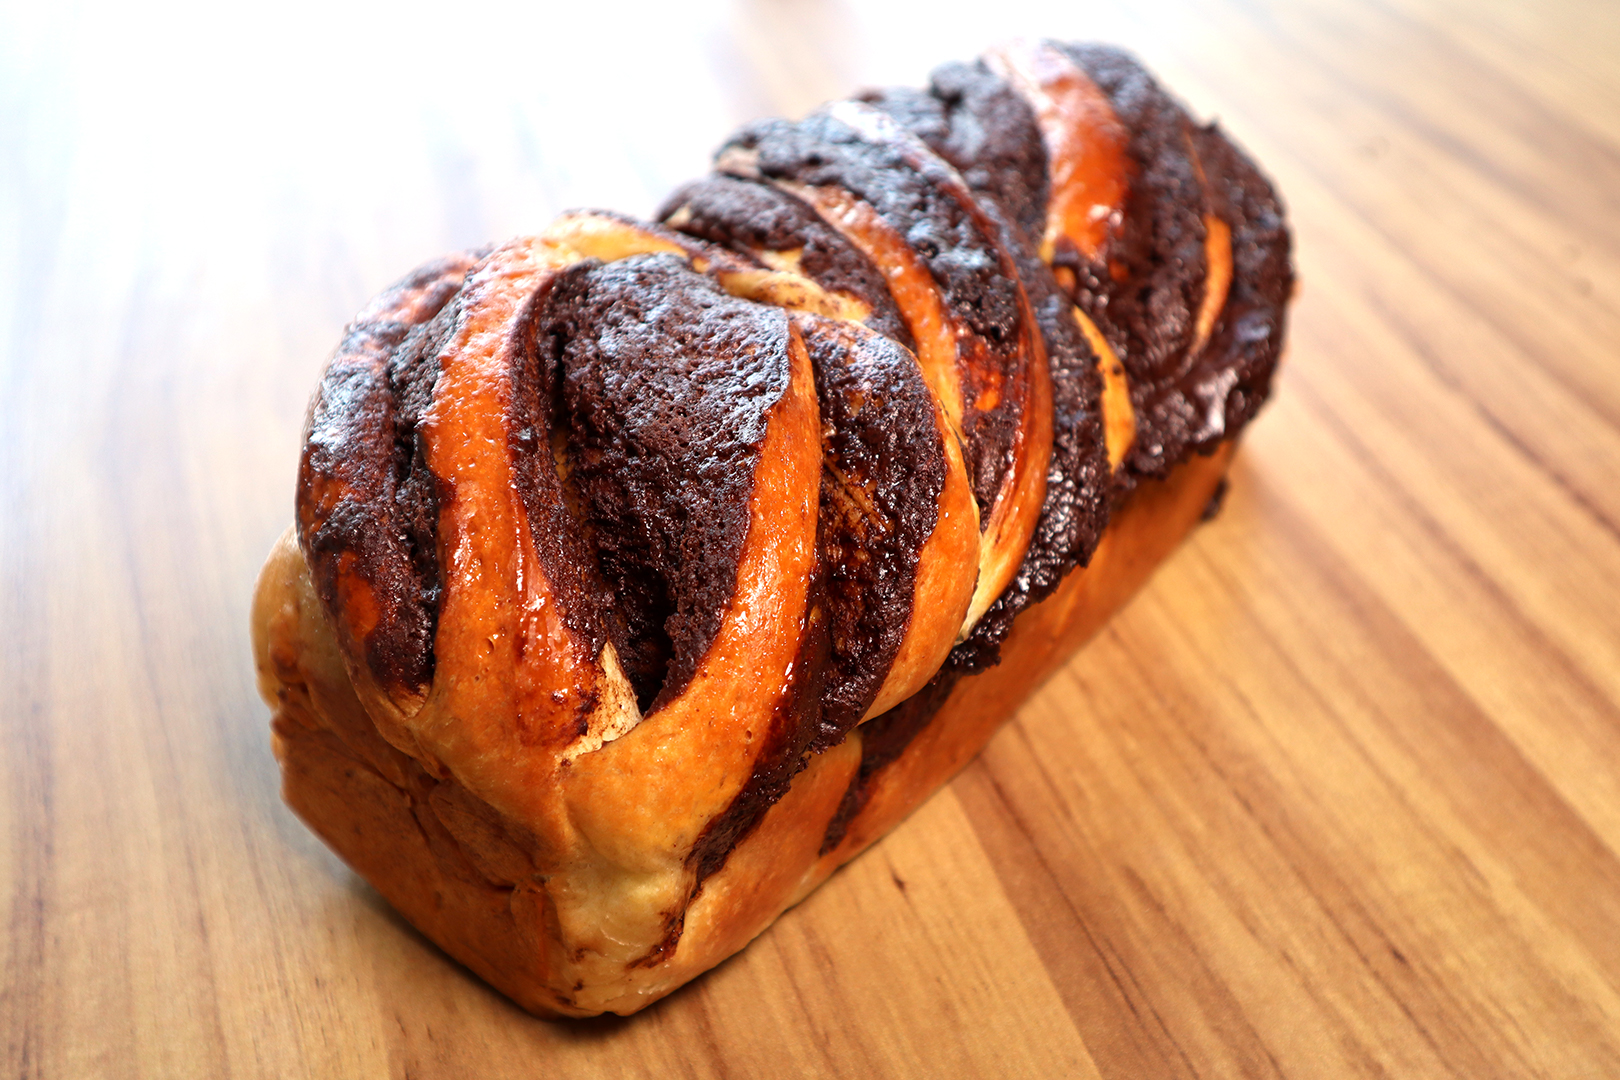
(644, 573)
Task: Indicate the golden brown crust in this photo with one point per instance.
(376, 807)
(1087, 161)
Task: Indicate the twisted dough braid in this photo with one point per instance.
(635, 563)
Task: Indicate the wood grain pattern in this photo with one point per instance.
(1338, 795)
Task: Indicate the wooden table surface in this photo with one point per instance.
(1337, 795)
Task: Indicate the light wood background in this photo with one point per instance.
(1338, 795)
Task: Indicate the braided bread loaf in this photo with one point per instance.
(645, 573)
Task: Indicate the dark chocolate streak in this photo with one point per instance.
(1232, 377)
(987, 131)
(1147, 305)
(367, 503)
(883, 469)
(1079, 491)
(745, 215)
(413, 372)
(883, 739)
(666, 381)
(979, 124)
(1145, 295)
(919, 196)
(535, 418)
(788, 740)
